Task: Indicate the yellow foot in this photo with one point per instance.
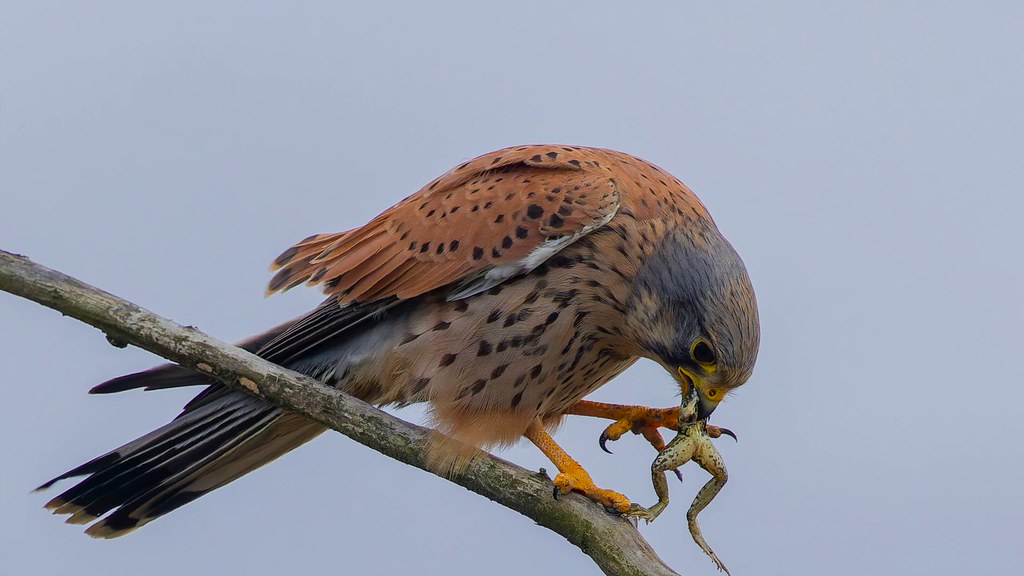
(576, 479)
(640, 420)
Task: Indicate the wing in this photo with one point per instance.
(494, 217)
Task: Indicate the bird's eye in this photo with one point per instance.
(702, 353)
(712, 393)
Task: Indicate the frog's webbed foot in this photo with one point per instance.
(646, 514)
(699, 539)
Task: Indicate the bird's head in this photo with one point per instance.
(694, 312)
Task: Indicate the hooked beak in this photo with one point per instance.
(705, 406)
(697, 385)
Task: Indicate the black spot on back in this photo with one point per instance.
(420, 385)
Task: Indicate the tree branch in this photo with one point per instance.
(611, 541)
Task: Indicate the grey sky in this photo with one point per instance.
(864, 158)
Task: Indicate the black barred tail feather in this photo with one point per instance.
(173, 376)
(198, 452)
(221, 434)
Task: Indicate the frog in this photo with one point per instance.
(693, 442)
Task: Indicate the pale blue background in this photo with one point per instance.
(864, 157)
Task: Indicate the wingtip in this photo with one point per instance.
(284, 258)
(284, 280)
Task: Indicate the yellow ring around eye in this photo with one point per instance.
(704, 352)
(712, 393)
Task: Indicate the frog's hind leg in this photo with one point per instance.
(709, 459)
(677, 453)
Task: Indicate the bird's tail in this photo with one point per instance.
(203, 449)
(222, 434)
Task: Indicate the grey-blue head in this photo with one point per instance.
(695, 313)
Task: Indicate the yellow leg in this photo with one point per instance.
(571, 476)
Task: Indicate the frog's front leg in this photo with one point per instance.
(709, 459)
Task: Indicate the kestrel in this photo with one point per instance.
(502, 294)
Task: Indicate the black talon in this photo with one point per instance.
(728, 432)
(602, 440)
(678, 474)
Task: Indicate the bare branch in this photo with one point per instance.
(611, 541)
